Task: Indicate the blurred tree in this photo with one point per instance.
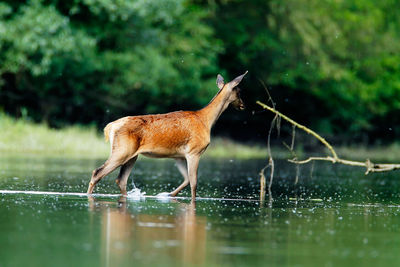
(78, 61)
(39, 51)
(327, 63)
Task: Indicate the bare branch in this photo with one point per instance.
(309, 131)
(275, 122)
(370, 167)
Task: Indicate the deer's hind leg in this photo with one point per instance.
(123, 151)
(124, 174)
(111, 164)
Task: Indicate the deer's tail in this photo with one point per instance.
(107, 130)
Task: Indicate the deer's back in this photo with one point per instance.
(163, 135)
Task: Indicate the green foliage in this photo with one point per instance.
(81, 61)
(332, 65)
(33, 47)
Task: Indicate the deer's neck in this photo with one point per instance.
(214, 109)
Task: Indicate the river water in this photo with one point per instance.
(334, 215)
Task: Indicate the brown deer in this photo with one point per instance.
(182, 135)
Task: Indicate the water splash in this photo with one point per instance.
(135, 193)
(133, 185)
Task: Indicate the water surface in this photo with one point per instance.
(333, 215)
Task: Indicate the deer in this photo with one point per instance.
(181, 135)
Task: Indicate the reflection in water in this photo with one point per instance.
(127, 235)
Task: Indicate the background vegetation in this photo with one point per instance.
(333, 65)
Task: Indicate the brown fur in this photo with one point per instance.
(174, 133)
(107, 132)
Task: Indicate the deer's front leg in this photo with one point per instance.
(182, 167)
(192, 165)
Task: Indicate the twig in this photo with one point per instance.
(311, 170)
(271, 165)
(275, 121)
(271, 160)
(293, 137)
(262, 184)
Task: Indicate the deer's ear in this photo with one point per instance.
(237, 80)
(220, 81)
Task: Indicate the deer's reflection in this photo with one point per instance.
(128, 234)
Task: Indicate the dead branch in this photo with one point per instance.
(275, 122)
(370, 167)
(271, 160)
(262, 183)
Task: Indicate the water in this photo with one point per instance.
(335, 215)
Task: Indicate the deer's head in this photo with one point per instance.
(233, 90)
